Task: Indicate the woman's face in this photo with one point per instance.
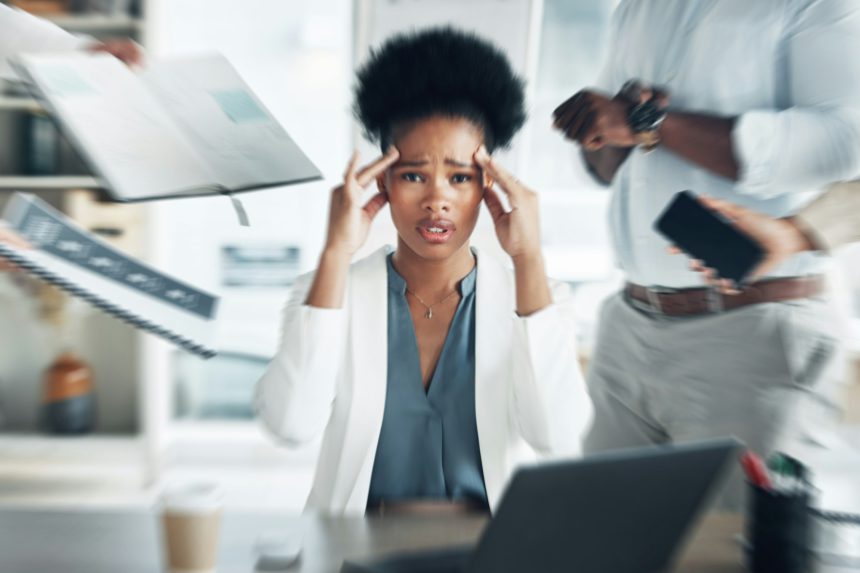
(435, 188)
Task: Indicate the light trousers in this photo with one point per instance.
(767, 374)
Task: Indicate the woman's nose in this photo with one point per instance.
(438, 195)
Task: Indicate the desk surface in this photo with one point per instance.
(96, 542)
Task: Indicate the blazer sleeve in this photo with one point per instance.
(294, 397)
(551, 404)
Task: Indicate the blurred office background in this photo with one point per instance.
(162, 414)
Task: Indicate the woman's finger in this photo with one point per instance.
(508, 182)
(369, 173)
(351, 166)
(494, 204)
(375, 204)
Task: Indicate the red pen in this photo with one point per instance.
(755, 469)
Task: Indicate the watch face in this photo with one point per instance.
(645, 116)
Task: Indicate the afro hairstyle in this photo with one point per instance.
(439, 71)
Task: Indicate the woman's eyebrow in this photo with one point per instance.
(410, 163)
(456, 163)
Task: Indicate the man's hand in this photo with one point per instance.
(596, 120)
(778, 238)
(127, 51)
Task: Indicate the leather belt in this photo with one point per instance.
(694, 301)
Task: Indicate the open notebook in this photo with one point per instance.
(73, 259)
(182, 127)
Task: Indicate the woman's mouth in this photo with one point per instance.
(435, 231)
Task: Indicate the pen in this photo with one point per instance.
(755, 470)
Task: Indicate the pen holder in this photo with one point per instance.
(779, 527)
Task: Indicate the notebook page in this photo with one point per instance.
(116, 125)
(229, 126)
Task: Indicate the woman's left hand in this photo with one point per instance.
(518, 230)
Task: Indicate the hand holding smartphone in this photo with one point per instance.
(707, 236)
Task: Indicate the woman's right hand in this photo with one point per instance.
(12, 238)
(349, 220)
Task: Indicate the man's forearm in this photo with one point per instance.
(703, 140)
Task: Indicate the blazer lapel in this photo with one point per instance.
(368, 351)
(494, 308)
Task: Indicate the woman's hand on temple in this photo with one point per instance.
(518, 230)
(349, 218)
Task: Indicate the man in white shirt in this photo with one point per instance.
(756, 102)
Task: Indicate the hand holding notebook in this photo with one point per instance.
(66, 255)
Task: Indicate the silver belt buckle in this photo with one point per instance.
(715, 300)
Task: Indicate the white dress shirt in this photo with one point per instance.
(787, 69)
(22, 32)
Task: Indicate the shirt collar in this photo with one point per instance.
(398, 284)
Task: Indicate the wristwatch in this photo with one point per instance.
(644, 120)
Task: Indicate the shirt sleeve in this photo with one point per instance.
(607, 79)
(816, 139)
(23, 32)
(833, 219)
(295, 395)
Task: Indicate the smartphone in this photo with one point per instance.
(707, 236)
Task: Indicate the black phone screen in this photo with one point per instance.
(707, 237)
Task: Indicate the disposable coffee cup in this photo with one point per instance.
(191, 524)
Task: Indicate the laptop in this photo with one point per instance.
(620, 512)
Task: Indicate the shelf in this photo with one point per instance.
(95, 22)
(47, 183)
(13, 103)
(58, 448)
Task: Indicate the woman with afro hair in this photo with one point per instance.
(430, 370)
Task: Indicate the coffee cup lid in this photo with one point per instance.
(196, 497)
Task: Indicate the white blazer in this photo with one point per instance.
(329, 377)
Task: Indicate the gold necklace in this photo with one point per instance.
(429, 312)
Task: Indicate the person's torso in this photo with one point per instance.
(718, 57)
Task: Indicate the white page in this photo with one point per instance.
(117, 125)
(69, 256)
(226, 122)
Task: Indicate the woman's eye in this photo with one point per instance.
(461, 178)
(411, 177)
